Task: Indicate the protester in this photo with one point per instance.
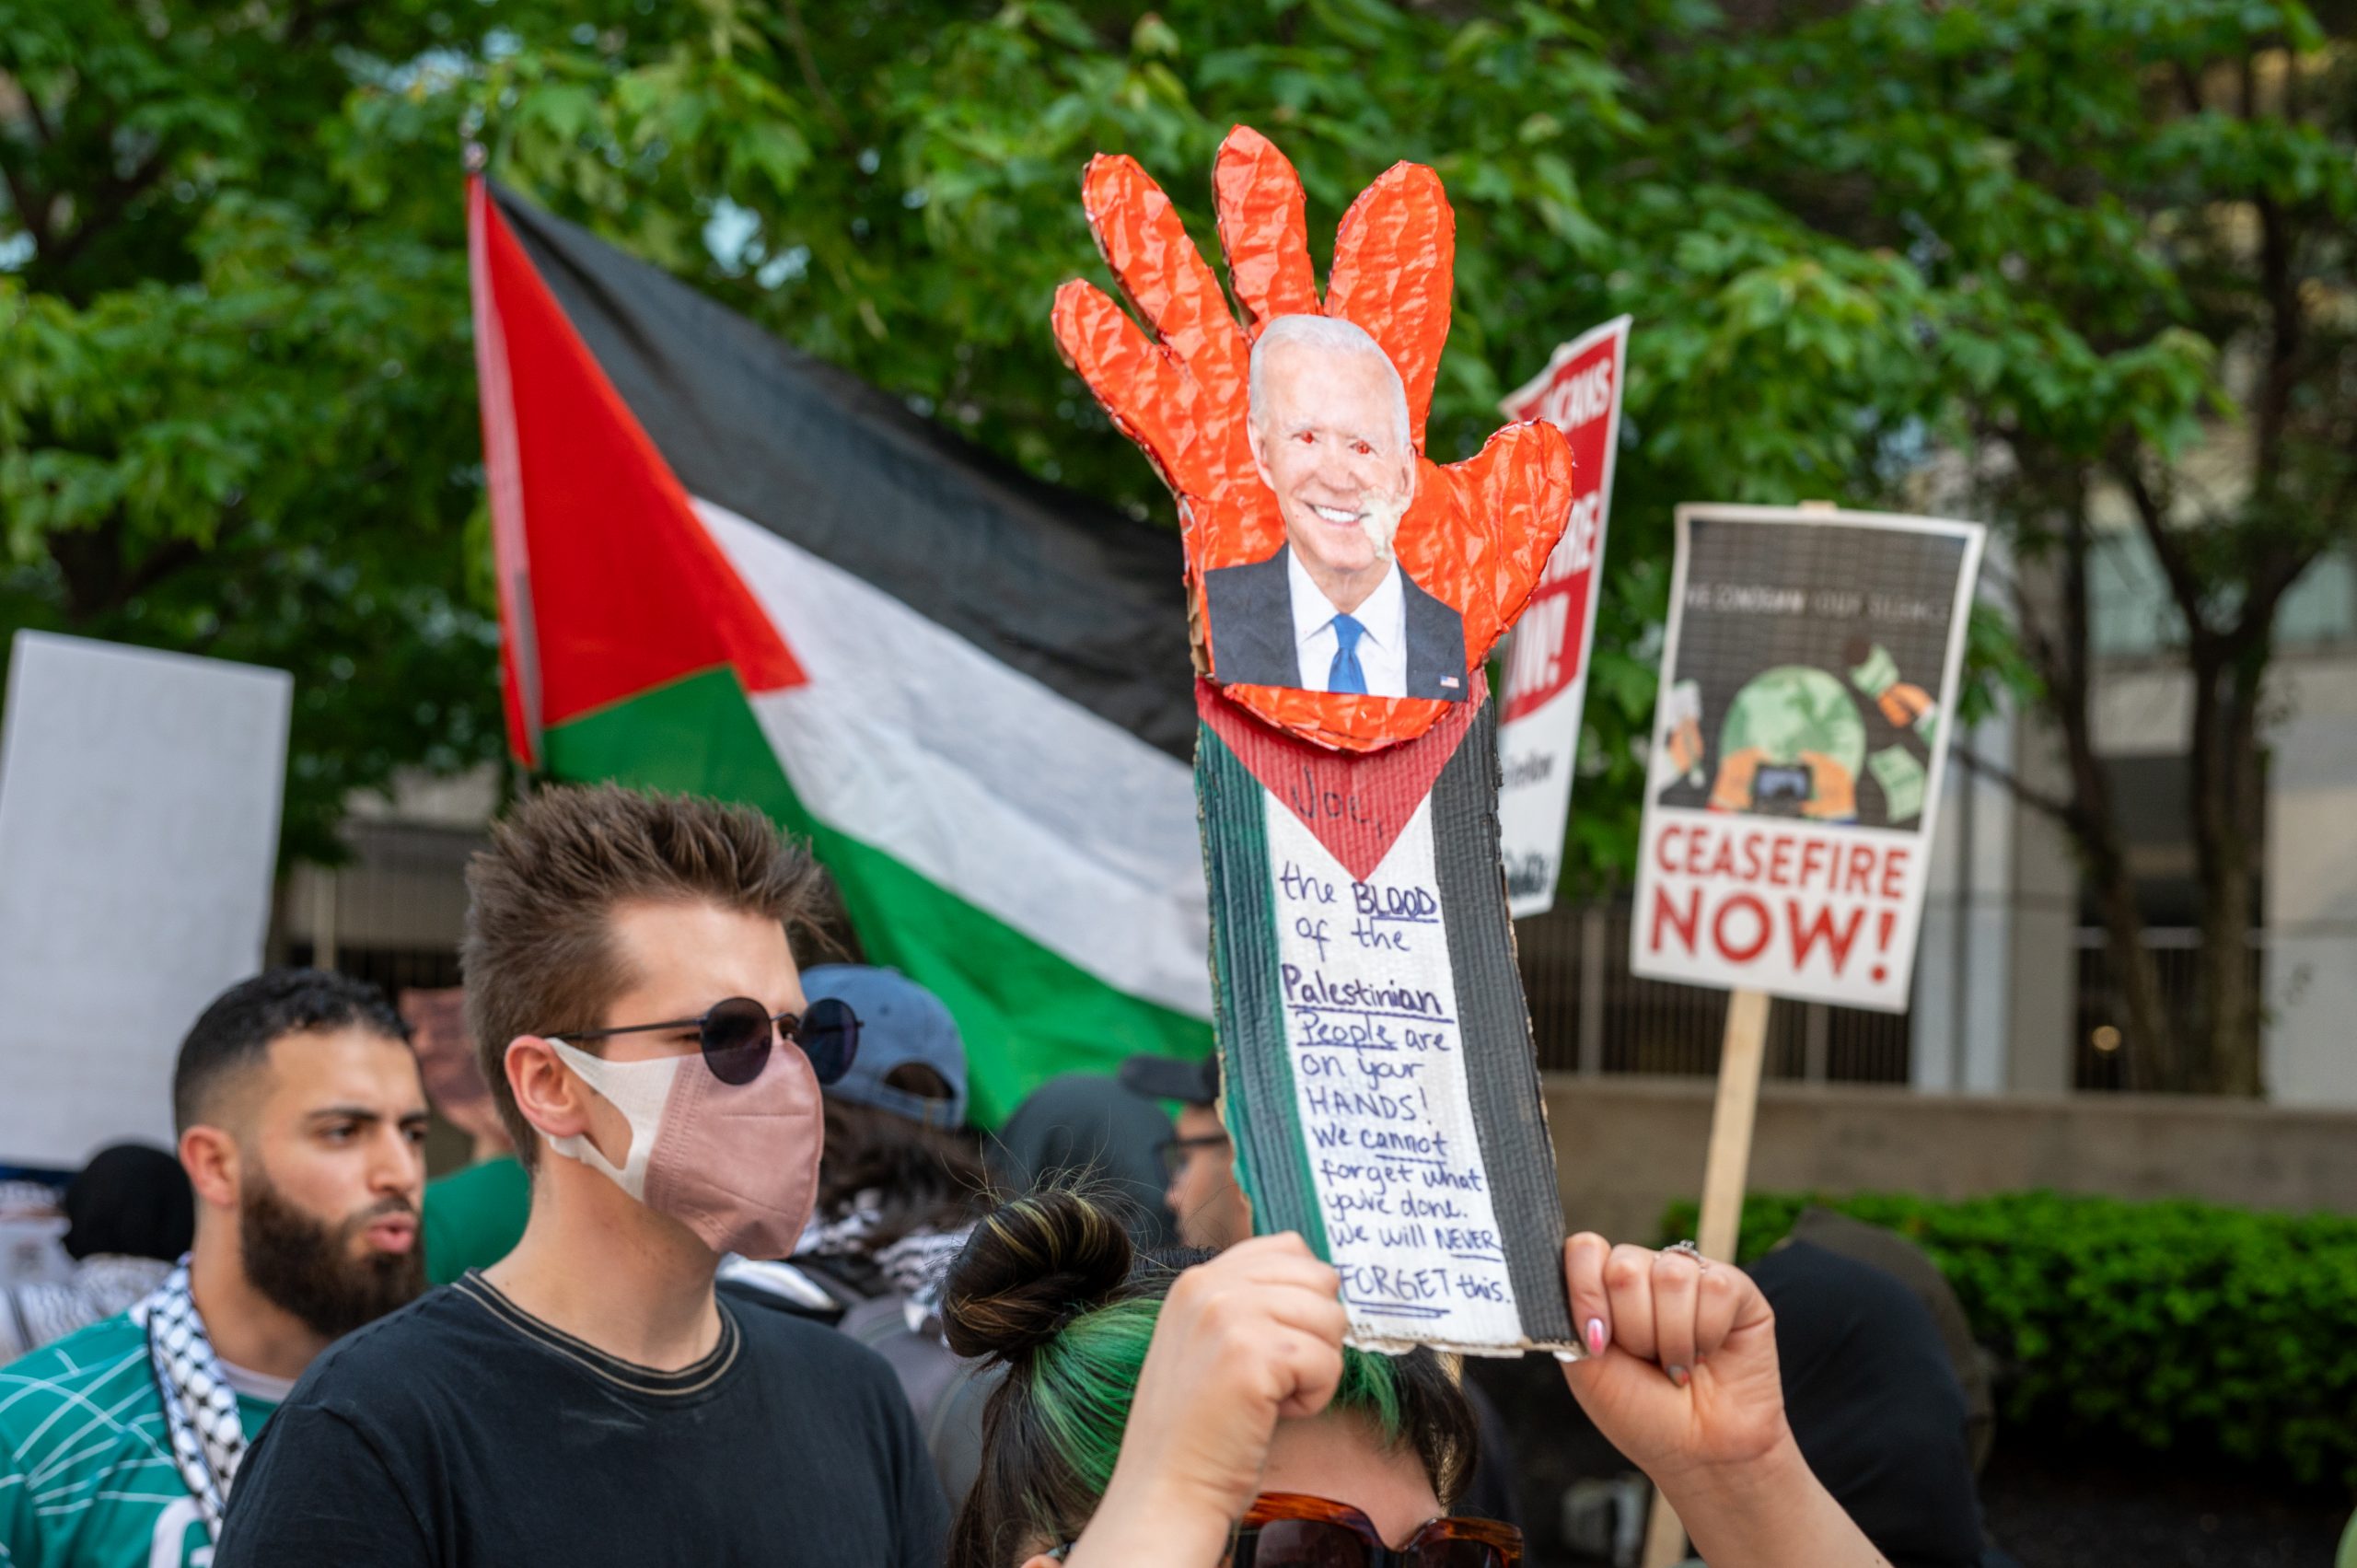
(898, 1190)
(632, 985)
(898, 1187)
(1149, 1408)
(129, 1215)
(1874, 1402)
(1904, 1260)
(1213, 1214)
(301, 1124)
(1087, 1127)
(1198, 1160)
(475, 1216)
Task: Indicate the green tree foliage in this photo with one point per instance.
(233, 416)
(2135, 219)
(234, 395)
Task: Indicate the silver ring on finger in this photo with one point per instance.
(1688, 1249)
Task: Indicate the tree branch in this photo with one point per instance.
(2188, 84)
(306, 19)
(2285, 339)
(800, 39)
(41, 127)
(109, 207)
(2063, 811)
(28, 212)
(2184, 583)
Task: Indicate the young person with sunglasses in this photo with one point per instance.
(1164, 1413)
(632, 986)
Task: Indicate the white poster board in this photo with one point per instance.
(1546, 669)
(139, 800)
(1798, 749)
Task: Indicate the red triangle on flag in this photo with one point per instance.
(609, 583)
(1354, 803)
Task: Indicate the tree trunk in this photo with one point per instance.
(2151, 1058)
(2228, 803)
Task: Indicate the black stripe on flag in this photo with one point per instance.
(1074, 593)
(1493, 1024)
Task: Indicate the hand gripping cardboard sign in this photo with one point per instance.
(1343, 591)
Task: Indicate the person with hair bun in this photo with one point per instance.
(1189, 1410)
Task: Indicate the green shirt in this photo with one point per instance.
(474, 1217)
(86, 1478)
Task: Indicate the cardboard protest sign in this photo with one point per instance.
(139, 799)
(1799, 746)
(1378, 1075)
(1546, 671)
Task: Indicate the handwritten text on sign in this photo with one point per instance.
(1370, 1015)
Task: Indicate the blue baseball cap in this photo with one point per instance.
(900, 1024)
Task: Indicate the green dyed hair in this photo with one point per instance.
(1081, 1380)
(1051, 1287)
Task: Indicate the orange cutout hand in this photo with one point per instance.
(1477, 533)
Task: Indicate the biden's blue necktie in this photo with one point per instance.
(1346, 675)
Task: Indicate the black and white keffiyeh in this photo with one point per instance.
(912, 1264)
(200, 1407)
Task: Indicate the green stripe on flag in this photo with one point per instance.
(1263, 1116)
(1026, 1014)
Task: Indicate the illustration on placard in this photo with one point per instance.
(1802, 692)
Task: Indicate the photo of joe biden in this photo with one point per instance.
(1331, 610)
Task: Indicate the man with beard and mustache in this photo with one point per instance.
(302, 1125)
(1331, 610)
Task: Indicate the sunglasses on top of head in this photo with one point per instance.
(735, 1036)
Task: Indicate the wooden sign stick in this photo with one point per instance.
(1741, 1054)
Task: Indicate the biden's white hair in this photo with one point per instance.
(1336, 336)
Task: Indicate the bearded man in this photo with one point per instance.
(302, 1125)
(1331, 610)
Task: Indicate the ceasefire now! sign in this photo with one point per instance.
(1800, 740)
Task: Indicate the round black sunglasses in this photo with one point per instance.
(736, 1034)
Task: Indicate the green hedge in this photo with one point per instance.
(2175, 1325)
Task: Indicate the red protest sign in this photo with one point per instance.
(1579, 393)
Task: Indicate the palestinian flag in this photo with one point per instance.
(726, 568)
(1382, 1090)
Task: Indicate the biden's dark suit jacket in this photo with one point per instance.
(1252, 642)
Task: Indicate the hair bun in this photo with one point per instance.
(1032, 1267)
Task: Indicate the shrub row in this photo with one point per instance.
(2175, 1325)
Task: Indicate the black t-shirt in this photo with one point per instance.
(462, 1432)
(1873, 1403)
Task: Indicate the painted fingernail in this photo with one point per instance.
(1680, 1375)
(1596, 1336)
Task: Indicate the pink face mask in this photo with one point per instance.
(737, 1165)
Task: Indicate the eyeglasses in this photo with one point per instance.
(1285, 1530)
(1173, 1152)
(735, 1036)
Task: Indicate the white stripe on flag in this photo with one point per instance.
(912, 741)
